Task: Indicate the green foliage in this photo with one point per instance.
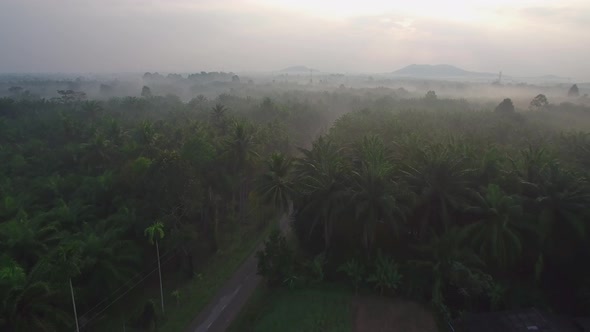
(11, 273)
(468, 203)
(452, 194)
(316, 268)
(539, 103)
(147, 319)
(312, 309)
(355, 272)
(496, 236)
(176, 295)
(276, 186)
(155, 232)
(82, 178)
(386, 275)
(505, 107)
(146, 92)
(276, 261)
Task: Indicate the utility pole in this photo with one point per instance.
(160, 273)
(74, 303)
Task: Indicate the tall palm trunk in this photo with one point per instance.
(215, 224)
(160, 274)
(212, 221)
(242, 199)
(327, 229)
(74, 304)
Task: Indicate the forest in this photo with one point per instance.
(464, 205)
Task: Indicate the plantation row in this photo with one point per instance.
(469, 211)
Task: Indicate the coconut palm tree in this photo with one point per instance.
(240, 148)
(154, 233)
(276, 185)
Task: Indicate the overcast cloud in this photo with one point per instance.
(519, 37)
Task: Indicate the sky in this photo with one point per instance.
(518, 37)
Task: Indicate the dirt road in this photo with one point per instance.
(231, 298)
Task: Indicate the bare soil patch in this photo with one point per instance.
(381, 314)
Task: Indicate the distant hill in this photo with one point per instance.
(551, 77)
(298, 69)
(437, 71)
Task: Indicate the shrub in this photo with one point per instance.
(275, 261)
(355, 271)
(147, 320)
(386, 275)
(316, 268)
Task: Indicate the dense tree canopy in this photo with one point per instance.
(465, 202)
(495, 215)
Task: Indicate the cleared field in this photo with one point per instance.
(331, 308)
(313, 309)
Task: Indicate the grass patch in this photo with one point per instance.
(193, 295)
(308, 309)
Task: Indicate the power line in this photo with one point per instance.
(118, 298)
(124, 284)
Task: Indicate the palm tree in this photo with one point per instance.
(154, 233)
(276, 185)
(108, 257)
(448, 263)
(240, 145)
(65, 262)
(321, 181)
(218, 118)
(27, 241)
(36, 302)
(11, 272)
(531, 164)
(372, 190)
(240, 148)
(496, 234)
(576, 146)
(34, 305)
(92, 108)
(96, 152)
(562, 199)
(147, 134)
(441, 181)
(115, 132)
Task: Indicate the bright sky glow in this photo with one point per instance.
(520, 37)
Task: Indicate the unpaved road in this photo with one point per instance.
(231, 298)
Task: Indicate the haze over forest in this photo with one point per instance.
(294, 165)
(521, 38)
